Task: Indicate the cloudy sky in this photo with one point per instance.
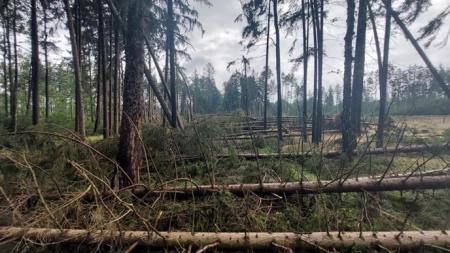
(220, 43)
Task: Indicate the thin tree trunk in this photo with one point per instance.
(5, 68)
(305, 24)
(98, 109)
(315, 40)
(130, 152)
(111, 78)
(117, 53)
(34, 63)
(91, 94)
(10, 74)
(320, 72)
(377, 40)
(266, 83)
(347, 94)
(358, 73)
(318, 54)
(79, 113)
(278, 69)
(101, 38)
(47, 98)
(384, 77)
(171, 41)
(14, 85)
(158, 68)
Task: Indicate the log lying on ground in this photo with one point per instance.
(434, 179)
(234, 241)
(329, 155)
(396, 183)
(269, 136)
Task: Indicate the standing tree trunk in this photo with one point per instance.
(91, 94)
(266, 83)
(319, 18)
(117, 53)
(171, 41)
(111, 77)
(14, 85)
(47, 99)
(305, 24)
(10, 65)
(5, 68)
(278, 67)
(79, 114)
(8, 48)
(347, 96)
(98, 108)
(101, 42)
(383, 74)
(34, 63)
(316, 63)
(244, 87)
(358, 73)
(130, 151)
(166, 77)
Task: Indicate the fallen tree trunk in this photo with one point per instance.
(434, 179)
(234, 241)
(329, 155)
(365, 184)
(269, 135)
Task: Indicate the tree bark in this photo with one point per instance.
(79, 112)
(305, 25)
(171, 41)
(98, 108)
(130, 152)
(5, 66)
(318, 59)
(47, 99)
(236, 240)
(358, 73)
(314, 109)
(14, 85)
(384, 78)
(266, 81)
(278, 67)
(101, 41)
(34, 63)
(117, 53)
(362, 184)
(8, 74)
(159, 96)
(347, 94)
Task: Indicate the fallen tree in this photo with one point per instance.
(269, 135)
(328, 155)
(369, 184)
(234, 241)
(432, 180)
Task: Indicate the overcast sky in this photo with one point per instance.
(220, 43)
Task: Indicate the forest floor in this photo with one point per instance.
(45, 180)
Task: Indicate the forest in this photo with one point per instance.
(224, 126)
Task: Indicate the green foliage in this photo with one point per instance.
(207, 98)
(232, 96)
